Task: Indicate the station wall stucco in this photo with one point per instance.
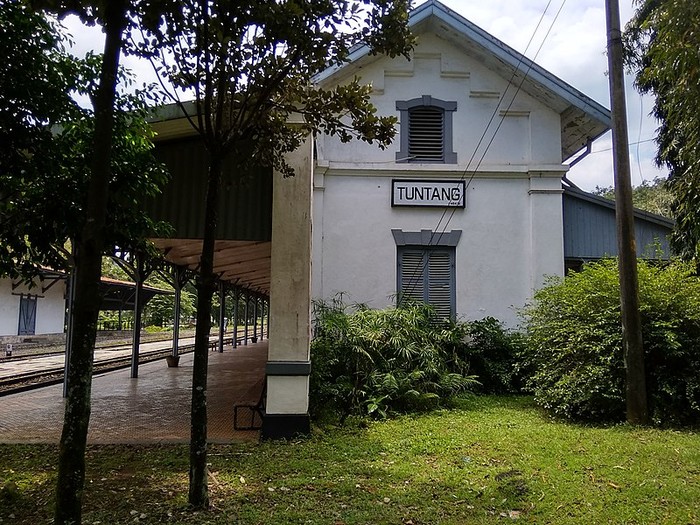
(50, 308)
(528, 132)
(512, 223)
(499, 260)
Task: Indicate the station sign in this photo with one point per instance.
(438, 193)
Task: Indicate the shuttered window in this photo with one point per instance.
(427, 274)
(27, 315)
(426, 130)
(426, 134)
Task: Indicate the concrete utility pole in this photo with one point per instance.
(636, 394)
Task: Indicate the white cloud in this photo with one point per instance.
(575, 51)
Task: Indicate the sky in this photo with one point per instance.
(572, 47)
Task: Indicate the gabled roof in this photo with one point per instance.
(582, 118)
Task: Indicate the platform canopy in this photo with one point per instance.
(119, 295)
(242, 263)
(243, 245)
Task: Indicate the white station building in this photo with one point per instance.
(464, 211)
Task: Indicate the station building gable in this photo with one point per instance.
(478, 121)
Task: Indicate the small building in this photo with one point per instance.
(590, 231)
(33, 310)
(40, 309)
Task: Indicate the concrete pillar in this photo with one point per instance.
(546, 227)
(288, 366)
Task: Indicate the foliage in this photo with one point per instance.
(160, 310)
(574, 352)
(491, 352)
(376, 362)
(662, 40)
(251, 67)
(45, 163)
(492, 460)
(654, 197)
(36, 78)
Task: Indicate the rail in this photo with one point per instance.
(54, 375)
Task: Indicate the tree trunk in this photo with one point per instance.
(71, 459)
(206, 286)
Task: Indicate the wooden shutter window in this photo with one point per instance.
(440, 282)
(412, 275)
(427, 275)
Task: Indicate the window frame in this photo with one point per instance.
(449, 156)
(428, 279)
(427, 242)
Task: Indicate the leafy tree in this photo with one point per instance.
(160, 310)
(250, 68)
(654, 197)
(113, 270)
(663, 42)
(36, 79)
(69, 183)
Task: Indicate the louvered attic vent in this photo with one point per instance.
(426, 130)
(426, 134)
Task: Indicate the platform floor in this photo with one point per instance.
(153, 408)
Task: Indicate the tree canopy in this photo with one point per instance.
(45, 158)
(663, 39)
(654, 196)
(250, 67)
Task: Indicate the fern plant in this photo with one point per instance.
(377, 362)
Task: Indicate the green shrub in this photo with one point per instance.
(573, 351)
(491, 352)
(375, 362)
(152, 329)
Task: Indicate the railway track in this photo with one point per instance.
(50, 376)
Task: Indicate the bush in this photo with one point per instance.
(375, 362)
(574, 353)
(153, 329)
(491, 352)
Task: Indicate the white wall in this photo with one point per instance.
(50, 307)
(512, 234)
(9, 309)
(496, 269)
(529, 133)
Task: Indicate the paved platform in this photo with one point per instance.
(153, 408)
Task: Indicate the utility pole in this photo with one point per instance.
(635, 383)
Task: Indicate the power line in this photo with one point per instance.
(413, 279)
(630, 144)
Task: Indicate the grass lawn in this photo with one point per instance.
(492, 460)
